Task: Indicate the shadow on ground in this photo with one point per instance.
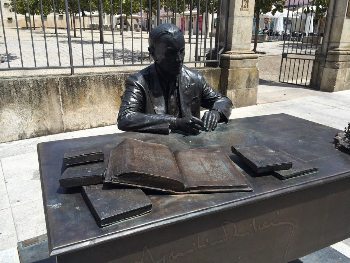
(281, 84)
(127, 55)
(7, 58)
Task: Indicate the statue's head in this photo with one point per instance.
(167, 48)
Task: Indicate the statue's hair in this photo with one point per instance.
(163, 30)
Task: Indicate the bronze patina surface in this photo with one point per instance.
(109, 205)
(87, 174)
(342, 140)
(279, 221)
(167, 96)
(262, 159)
(82, 157)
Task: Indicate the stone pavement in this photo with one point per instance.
(21, 209)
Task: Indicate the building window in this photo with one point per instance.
(6, 5)
(9, 20)
(60, 17)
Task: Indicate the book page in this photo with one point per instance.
(209, 169)
(144, 164)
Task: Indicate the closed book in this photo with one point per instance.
(80, 175)
(262, 159)
(110, 205)
(79, 157)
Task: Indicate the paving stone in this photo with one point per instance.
(21, 167)
(347, 242)
(343, 247)
(29, 220)
(23, 191)
(9, 255)
(4, 201)
(21, 173)
(326, 255)
(8, 238)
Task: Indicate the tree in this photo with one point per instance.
(128, 7)
(31, 7)
(74, 8)
(319, 8)
(263, 7)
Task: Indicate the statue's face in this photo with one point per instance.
(169, 53)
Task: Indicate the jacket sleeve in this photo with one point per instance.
(213, 100)
(132, 116)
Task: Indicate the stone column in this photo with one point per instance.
(239, 73)
(331, 70)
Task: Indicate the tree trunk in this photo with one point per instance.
(71, 21)
(100, 23)
(33, 22)
(121, 19)
(206, 24)
(74, 27)
(148, 23)
(257, 22)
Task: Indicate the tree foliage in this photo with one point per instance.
(265, 6)
(32, 7)
(110, 7)
(318, 7)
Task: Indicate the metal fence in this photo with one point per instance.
(56, 34)
(304, 30)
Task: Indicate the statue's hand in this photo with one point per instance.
(189, 125)
(211, 119)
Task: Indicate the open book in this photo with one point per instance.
(154, 166)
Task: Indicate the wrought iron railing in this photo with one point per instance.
(57, 34)
(304, 28)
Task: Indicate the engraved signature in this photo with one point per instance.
(228, 232)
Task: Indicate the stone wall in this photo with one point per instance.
(31, 107)
(240, 78)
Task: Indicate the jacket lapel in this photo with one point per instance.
(156, 92)
(185, 93)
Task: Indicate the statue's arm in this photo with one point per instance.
(215, 101)
(132, 113)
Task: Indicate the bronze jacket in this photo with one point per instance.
(143, 106)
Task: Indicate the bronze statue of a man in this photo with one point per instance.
(167, 96)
